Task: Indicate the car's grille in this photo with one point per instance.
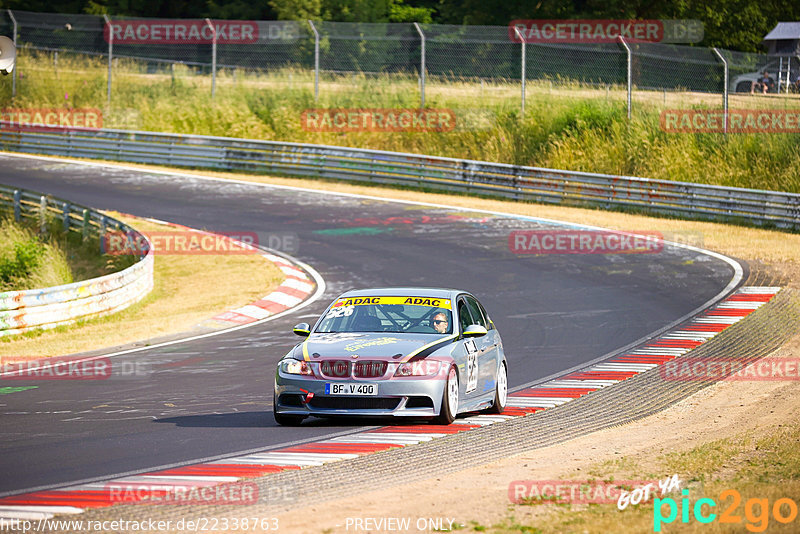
(344, 368)
(335, 368)
(369, 369)
(354, 403)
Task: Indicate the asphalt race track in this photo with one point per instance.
(212, 397)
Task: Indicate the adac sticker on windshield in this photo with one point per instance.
(413, 301)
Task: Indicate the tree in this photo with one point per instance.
(298, 9)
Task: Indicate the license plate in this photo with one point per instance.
(351, 389)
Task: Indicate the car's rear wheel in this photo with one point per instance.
(449, 409)
(500, 390)
(285, 419)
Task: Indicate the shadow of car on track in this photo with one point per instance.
(222, 420)
(266, 419)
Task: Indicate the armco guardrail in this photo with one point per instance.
(21, 311)
(682, 199)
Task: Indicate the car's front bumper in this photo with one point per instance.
(402, 397)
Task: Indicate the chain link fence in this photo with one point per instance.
(440, 54)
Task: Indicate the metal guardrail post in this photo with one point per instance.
(17, 207)
(724, 90)
(421, 65)
(86, 225)
(316, 60)
(14, 72)
(213, 58)
(65, 209)
(523, 76)
(630, 74)
(110, 58)
(43, 214)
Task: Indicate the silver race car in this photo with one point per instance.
(410, 352)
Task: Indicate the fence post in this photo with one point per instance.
(17, 205)
(724, 91)
(316, 60)
(421, 65)
(213, 58)
(14, 72)
(630, 76)
(522, 40)
(110, 58)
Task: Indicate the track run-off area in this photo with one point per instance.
(208, 399)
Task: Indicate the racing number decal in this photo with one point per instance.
(344, 311)
(472, 365)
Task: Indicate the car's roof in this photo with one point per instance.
(403, 291)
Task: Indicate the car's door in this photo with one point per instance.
(467, 352)
(478, 368)
(487, 346)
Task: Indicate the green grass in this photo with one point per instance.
(566, 125)
(26, 262)
(31, 261)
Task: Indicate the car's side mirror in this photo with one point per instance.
(302, 329)
(474, 330)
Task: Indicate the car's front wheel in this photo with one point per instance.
(285, 419)
(449, 409)
(500, 390)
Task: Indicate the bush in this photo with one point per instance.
(18, 266)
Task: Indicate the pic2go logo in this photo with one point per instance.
(756, 511)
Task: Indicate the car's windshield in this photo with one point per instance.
(424, 315)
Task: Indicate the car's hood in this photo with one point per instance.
(370, 346)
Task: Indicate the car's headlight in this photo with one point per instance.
(296, 367)
(418, 368)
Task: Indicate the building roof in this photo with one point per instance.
(784, 30)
